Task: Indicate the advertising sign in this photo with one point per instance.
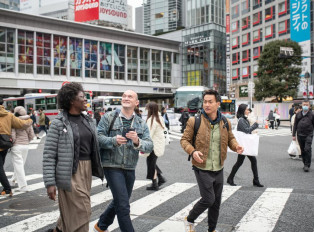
(194, 78)
(243, 91)
(86, 10)
(300, 21)
(115, 11)
(29, 6)
(227, 23)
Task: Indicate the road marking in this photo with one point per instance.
(175, 222)
(175, 137)
(45, 219)
(265, 212)
(149, 202)
(28, 177)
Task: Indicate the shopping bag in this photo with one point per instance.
(294, 149)
(145, 155)
(250, 142)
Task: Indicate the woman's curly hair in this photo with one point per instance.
(67, 94)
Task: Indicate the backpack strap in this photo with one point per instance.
(116, 114)
(197, 125)
(226, 124)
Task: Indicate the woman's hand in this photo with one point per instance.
(52, 192)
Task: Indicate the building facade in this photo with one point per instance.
(10, 4)
(162, 16)
(253, 23)
(40, 53)
(204, 45)
(139, 19)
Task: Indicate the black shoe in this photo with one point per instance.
(306, 168)
(230, 181)
(161, 180)
(256, 183)
(154, 186)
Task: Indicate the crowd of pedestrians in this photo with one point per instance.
(78, 147)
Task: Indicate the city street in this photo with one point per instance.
(286, 202)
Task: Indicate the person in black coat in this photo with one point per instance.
(165, 116)
(271, 119)
(184, 118)
(244, 126)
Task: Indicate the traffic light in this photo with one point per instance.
(40, 91)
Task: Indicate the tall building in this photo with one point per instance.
(253, 23)
(204, 45)
(139, 19)
(162, 16)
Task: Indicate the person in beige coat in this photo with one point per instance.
(19, 151)
(156, 128)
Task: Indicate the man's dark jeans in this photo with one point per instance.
(3, 178)
(121, 184)
(305, 143)
(210, 185)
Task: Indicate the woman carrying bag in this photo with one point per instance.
(244, 126)
(156, 128)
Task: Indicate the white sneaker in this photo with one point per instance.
(189, 227)
(24, 189)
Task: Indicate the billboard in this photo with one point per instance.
(300, 27)
(115, 11)
(194, 78)
(86, 10)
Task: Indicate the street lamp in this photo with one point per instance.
(307, 76)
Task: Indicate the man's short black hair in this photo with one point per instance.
(212, 92)
(67, 94)
(306, 100)
(1, 101)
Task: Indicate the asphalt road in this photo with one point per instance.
(286, 203)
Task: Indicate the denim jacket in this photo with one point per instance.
(121, 156)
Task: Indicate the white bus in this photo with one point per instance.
(192, 98)
(102, 103)
(46, 101)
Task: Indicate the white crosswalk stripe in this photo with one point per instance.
(260, 216)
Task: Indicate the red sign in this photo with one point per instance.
(86, 10)
(227, 23)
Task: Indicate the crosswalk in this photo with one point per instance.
(173, 201)
(176, 135)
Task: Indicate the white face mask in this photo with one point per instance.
(245, 116)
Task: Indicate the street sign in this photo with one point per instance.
(251, 85)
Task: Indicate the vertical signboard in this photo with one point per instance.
(86, 10)
(228, 63)
(300, 27)
(115, 11)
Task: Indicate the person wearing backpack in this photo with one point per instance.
(184, 118)
(244, 126)
(208, 150)
(7, 122)
(42, 121)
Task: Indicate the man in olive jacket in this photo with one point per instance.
(7, 122)
(208, 155)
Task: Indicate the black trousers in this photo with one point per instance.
(3, 178)
(305, 143)
(210, 185)
(271, 124)
(240, 161)
(152, 166)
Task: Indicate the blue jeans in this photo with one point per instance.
(121, 184)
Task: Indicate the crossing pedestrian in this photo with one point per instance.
(35, 127)
(297, 109)
(156, 128)
(121, 134)
(271, 119)
(303, 127)
(277, 118)
(208, 153)
(244, 126)
(71, 157)
(97, 116)
(19, 151)
(7, 122)
(184, 118)
(42, 121)
(165, 116)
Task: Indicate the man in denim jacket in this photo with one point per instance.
(119, 150)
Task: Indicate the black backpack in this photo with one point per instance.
(197, 125)
(47, 120)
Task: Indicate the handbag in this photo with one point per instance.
(294, 149)
(6, 141)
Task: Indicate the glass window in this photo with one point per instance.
(159, 15)
(76, 57)
(235, 26)
(234, 11)
(268, 31)
(282, 26)
(176, 58)
(51, 103)
(235, 72)
(156, 66)
(256, 52)
(245, 38)
(167, 67)
(60, 54)
(90, 54)
(282, 7)
(245, 71)
(40, 103)
(43, 43)
(235, 41)
(7, 39)
(144, 65)
(132, 63)
(255, 68)
(119, 61)
(105, 54)
(256, 34)
(245, 55)
(26, 51)
(269, 13)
